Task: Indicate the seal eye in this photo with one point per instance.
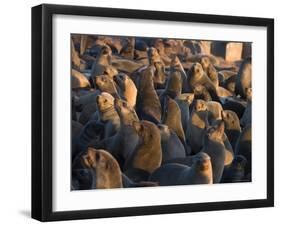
(124, 104)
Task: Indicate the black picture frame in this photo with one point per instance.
(42, 111)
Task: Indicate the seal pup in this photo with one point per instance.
(148, 153)
(108, 172)
(177, 174)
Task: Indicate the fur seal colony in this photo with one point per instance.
(158, 112)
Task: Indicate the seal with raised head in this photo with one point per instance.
(107, 114)
(127, 88)
(172, 118)
(108, 172)
(210, 70)
(105, 84)
(177, 66)
(148, 104)
(155, 60)
(102, 61)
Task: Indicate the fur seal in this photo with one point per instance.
(108, 172)
(200, 92)
(79, 80)
(128, 48)
(89, 97)
(171, 145)
(88, 111)
(76, 128)
(105, 84)
(177, 66)
(148, 104)
(82, 179)
(148, 153)
(222, 92)
(214, 147)
(183, 104)
(229, 84)
(172, 118)
(236, 171)
(177, 174)
(198, 121)
(125, 65)
(214, 111)
(234, 104)
(123, 143)
(102, 61)
(244, 147)
(174, 85)
(244, 78)
(210, 70)
(107, 114)
(247, 115)
(155, 60)
(232, 126)
(197, 76)
(127, 87)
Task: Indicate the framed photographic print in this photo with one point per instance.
(146, 112)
